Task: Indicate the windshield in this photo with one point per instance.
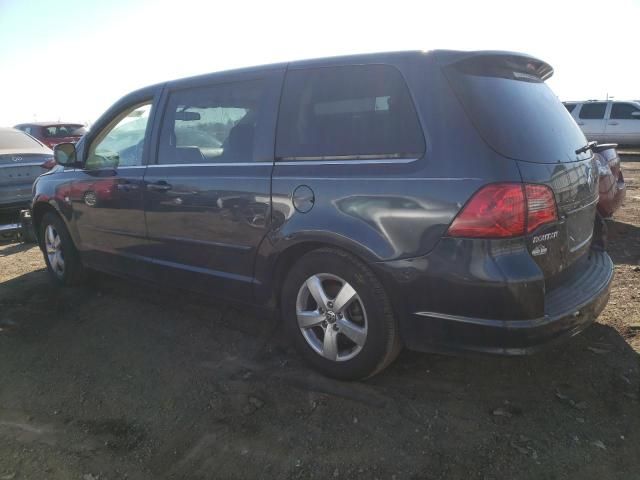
(15, 139)
(61, 131)
(516, 113)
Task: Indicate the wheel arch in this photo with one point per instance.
(38, 211)
(284, 258)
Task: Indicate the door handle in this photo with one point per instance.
(160, 186)
(613, 123)
(580, 123)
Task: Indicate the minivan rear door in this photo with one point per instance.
(517, 114)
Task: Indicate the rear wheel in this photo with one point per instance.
(60, 254)
(339, 315)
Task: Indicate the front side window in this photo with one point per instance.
(214, 124)
(624, 111)
(593, 111)
(120, 144)
(347, 112)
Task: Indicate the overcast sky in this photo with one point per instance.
(71, 59)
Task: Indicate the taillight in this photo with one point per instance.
(541, 206)
(49, 164)
(505, 210)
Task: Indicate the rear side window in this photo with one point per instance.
(593, 111)
(347, 112)
(214, 124)
(624, 111)
(570, 107)
(513, 109)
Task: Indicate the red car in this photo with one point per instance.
(611, 185)
(53, 133)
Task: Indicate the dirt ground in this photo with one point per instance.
(120, 380)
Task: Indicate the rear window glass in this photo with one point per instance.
(14, 139)
(593, 111)
(348, 112)
(61, 131)
(516, 113)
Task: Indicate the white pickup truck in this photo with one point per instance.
(612, 121)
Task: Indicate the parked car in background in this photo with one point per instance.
(611, 181)
(53, 133)
(613, 121)
(22, 159)
(374, 201)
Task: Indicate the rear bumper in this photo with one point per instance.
(16, 225)
(14, 197)
(569, 308)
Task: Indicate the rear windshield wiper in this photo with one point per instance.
(588, 146)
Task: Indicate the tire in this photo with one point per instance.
(363, 334)
(72, 271)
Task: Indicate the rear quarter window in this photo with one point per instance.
(570, 107)
(347, 112)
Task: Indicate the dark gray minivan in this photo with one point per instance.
(441, 201)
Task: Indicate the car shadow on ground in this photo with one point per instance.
(201, 386)
(624, 242)
(15, 248)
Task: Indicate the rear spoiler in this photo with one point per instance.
(496, 63)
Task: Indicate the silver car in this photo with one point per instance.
(612, 121)
(22, 159)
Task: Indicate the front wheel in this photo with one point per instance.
(339, 315)
(60, 254)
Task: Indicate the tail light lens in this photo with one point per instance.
(505, 210)
(541, 206)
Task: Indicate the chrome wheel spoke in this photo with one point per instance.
(353, 332)
(60, 260)
(345, 296)
(330, 344)
(53, 248)
(309, 319)
(314, 284)
(50, 236)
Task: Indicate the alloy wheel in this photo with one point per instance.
(331, 317)
(53, 246)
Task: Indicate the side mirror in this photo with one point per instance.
(65, 154)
